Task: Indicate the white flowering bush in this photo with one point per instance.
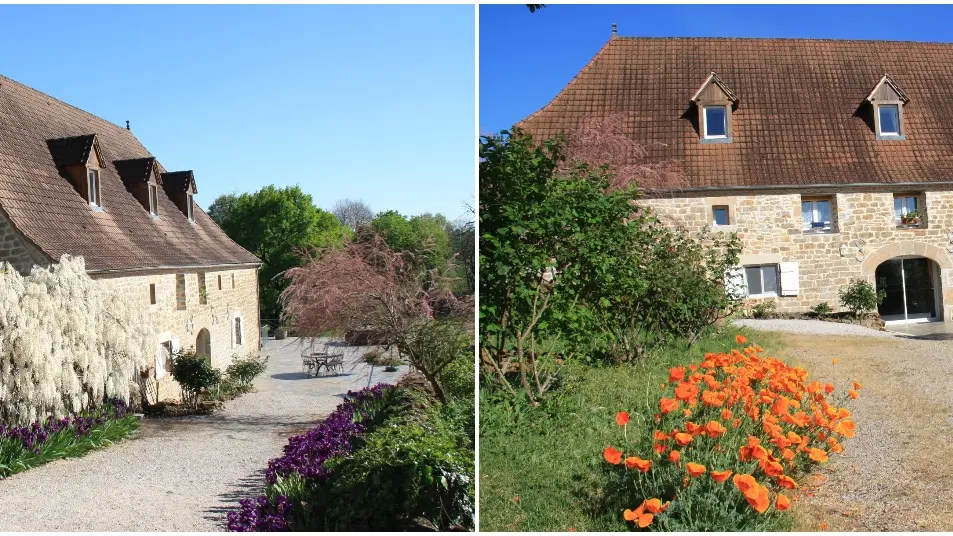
(67, 342)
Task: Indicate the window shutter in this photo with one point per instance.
(160, 362)
(790, 280)
(735, 282)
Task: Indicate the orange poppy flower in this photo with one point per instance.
(660, 448)
(711, 398)
(758, 498)
(782, 503)
(828, 388)
(818, 455)
(736, 423)
(612, 455)
(676, 374)
(786, 482)
(622, 418)
(683, 439)
(686, 391)
(744, 482)
(661, 436)
(720, 476)
(726, 414)
(634, 462)
(758, 452)
(631, 515)
(653, 506)
(695, 469)
(770, 468)
(668, 405)
(845, 428)
(687, 412)
(857, 386)
(740, 339)
(715, 429)
(693, 428)
(674, 456)
(787, 454)
(852, 394)
(645, 520)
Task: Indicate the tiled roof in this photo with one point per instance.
(800, 117)
(48, 211)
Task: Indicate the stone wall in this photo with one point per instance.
(16, 250)
(865, 234)
(217, 315)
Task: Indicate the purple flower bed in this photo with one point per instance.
(305, 455)
(22, 447)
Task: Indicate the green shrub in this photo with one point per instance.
(403, 473)
(764, 309)
(378, 359)
(244, 370)
(861, 297)
(822, 309)
(195, 375)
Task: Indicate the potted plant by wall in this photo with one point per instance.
(911, 218)
(281, 332)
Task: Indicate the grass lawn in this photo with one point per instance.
(540, 469)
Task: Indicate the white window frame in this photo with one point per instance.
(705, 118)
(153, 200)
(190, 212)
(93, 187)
(883, 132)
(714, 221)
(815, 215)
(903, 207)
(777, 272)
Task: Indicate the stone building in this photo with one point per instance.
(832, 160)
(72, 183)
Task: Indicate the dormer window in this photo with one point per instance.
(887, 101)
(153, 200)
(92, 188)
(714, 102)
(889, 119)
(180, 187)
(716, 122)
(191, 213)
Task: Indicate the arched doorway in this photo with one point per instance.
(203, 344)
(913, 289)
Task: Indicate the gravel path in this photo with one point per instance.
(894, 475)
(182, 474)
(812, 327)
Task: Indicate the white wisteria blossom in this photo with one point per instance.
(67, 341)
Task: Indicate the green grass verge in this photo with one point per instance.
(541, 468)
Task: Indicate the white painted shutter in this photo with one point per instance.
(735, 282)
(790, 280)
(160, 361)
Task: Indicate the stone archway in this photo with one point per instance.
(203, 344)
(908, 250)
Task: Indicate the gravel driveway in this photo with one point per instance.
(183, 474)
(895, 474)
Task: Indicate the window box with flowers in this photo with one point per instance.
(911, 219)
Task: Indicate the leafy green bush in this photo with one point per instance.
(764, 309)
(861, 297)
(195, 375)
(244, 370)
(822, 309)
(407, 470)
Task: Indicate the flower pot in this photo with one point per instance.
(390, 369)
(281, 333)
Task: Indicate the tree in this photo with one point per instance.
(569, 263)
(427, 235)
(394, 228)
(353, 214)
(463, 248)
(221, 209)
(277, 224)
(367, 285)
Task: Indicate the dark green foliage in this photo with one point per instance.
(822, 309)
(764, 309)
(276, 224)
(244, 370)
(425, 235)
(570, 266)
(195, 375)
(861, 297)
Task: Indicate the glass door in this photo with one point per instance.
(908, 283)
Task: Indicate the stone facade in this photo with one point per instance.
(214, 310)
(864, 235)
(16, 250)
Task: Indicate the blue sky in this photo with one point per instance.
(360, 102)
(526, 59)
